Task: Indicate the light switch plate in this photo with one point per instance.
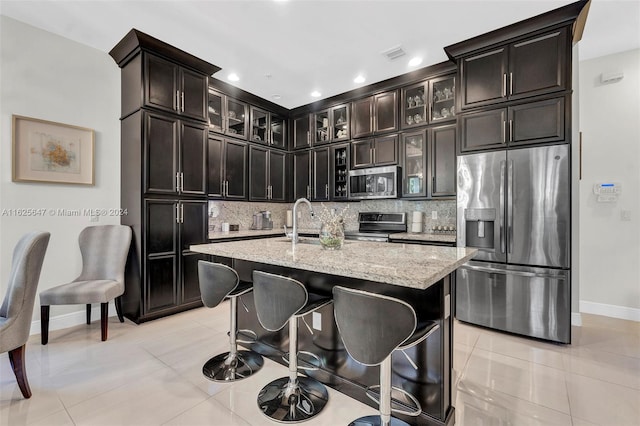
(434, 215)
(317, 321)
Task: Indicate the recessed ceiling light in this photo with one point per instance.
(233, 77)
(276, 97)
(416, 60)
(316, 94)
(359, 79)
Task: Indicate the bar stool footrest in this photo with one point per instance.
(309, 365)
(376, 420)
(373, 395)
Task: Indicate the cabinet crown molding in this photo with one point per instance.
(574, 13)
(136, 40)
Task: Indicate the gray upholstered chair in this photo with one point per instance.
(372, 326)
(16, 311)
(280, 300)
(104, 252)
(217, 282)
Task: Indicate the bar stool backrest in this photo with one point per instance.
(216, 282)
(277, 298)
(371, 325)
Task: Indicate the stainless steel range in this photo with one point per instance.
(375, 226)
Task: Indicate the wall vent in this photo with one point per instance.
(394, 53)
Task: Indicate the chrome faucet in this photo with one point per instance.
(294, 234)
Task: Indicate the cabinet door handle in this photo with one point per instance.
(182, 101)
(326, 191)
(308, 137)
(177, 213)
(371, 154)
(504, 84)
(504, 131)
(181, 213)
(433, 185)
(177, 181)
(226, 184)
(181, 182)
(308, 191)
(510, 130)
(510, 83)
(177, 100)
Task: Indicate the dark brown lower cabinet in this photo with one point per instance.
(168, 279)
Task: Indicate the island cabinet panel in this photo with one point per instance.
(302, 174)
(531, 66)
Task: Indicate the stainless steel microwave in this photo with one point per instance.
(374, 182)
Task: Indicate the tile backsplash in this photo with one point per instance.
(241, 212)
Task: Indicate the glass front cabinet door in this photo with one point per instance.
(414, 105)
(414, 161)
(443, 91)
(259, 126)
(237, 118)
(340, 123)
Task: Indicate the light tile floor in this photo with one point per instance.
(151, 374)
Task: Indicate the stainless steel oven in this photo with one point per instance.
(376, 226)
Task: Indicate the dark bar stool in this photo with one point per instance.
(372, 326)
(280, 300)
(218, 281)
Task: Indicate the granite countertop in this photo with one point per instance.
(421, 236)
(249, 233)
(406, 265)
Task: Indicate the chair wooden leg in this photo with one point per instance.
(88, 313)
(44, 324)
(118, 303)
(104, 319)
(16, 357)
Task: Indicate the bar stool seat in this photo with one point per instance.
(217, 282)
(280, 301)
(372, 327)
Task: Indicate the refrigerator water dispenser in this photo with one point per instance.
(479, 226)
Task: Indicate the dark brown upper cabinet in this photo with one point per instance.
(301, 132)
(442, 141)
(414, 149)
(442, 93)
(381, 151)
(228, 115)
(175, 155)
(522, 124)
(266, 174)
(321, 170)
(302, 174)
(170, 87)
(267, 128)
(375, 114)
(415, 105)
(227, 168)
(339, 160)
(530, 67)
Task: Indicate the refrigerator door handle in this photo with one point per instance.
(510, 207)
(501, 213)
(512, 272)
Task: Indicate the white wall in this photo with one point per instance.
(52, 78)
(610, 246)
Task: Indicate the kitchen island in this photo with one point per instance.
(420, 275)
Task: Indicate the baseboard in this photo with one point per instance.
(576, 319)
(72, 319)
(614, 311)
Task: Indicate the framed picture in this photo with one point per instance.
(45, 151)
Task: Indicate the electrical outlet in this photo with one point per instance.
(434, 215)
(317, 321)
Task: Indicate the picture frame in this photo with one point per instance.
(46, 151)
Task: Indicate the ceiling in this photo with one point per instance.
(284, 50)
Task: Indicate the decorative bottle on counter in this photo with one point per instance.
(331, 235)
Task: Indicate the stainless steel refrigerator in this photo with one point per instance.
(514, 206)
